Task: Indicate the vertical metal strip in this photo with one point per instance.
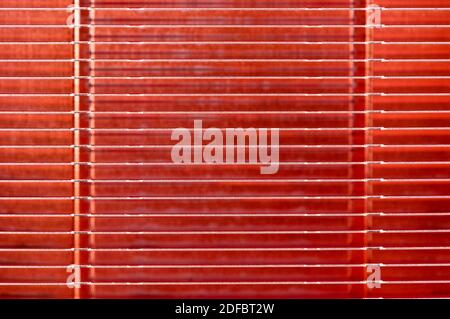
(91, 113)
(359, 121)
(351, 107)
(368, 69)
(351, 90)
(76, 142)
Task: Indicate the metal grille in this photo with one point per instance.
(92, 205)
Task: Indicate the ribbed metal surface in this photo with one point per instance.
(87, 179)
